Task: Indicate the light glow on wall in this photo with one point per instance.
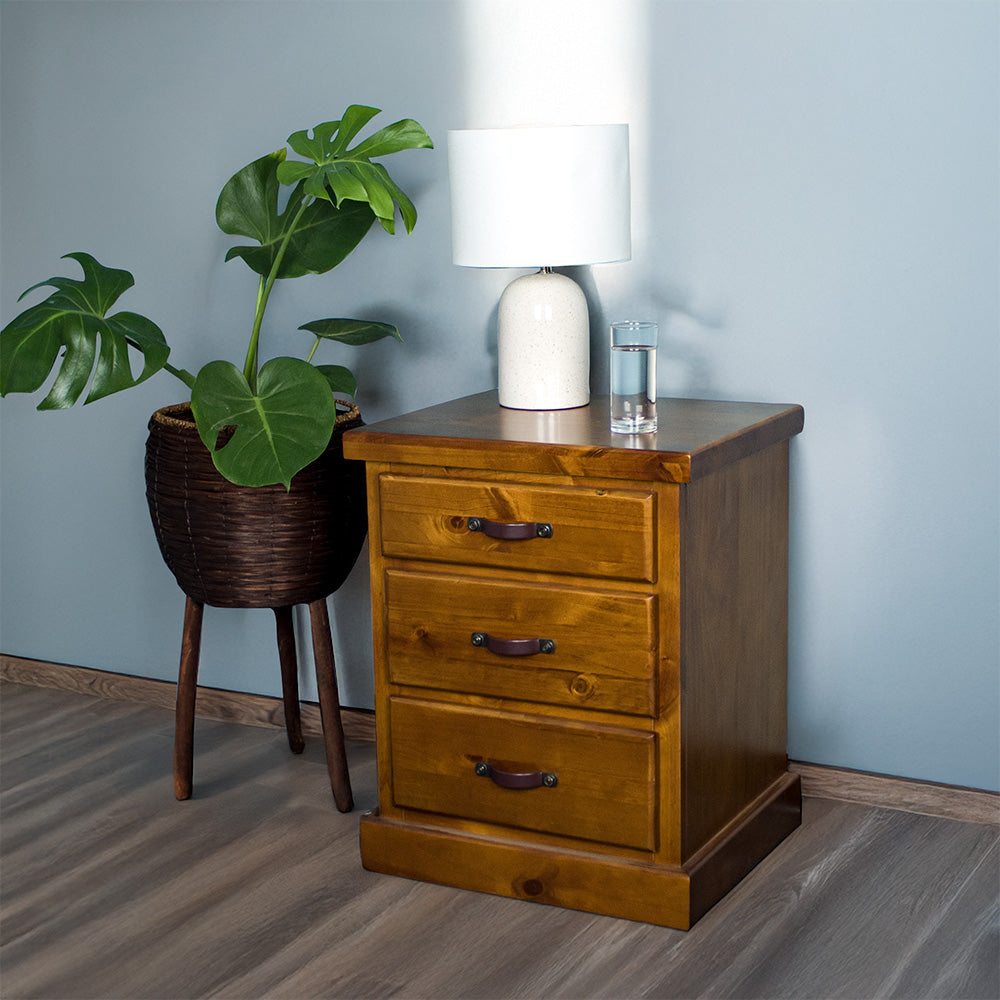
(563, 62)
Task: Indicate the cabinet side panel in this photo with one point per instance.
(734, 640)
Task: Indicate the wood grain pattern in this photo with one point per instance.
(971, 805)
(427, 518)
(527, 870)
(605, 789)
(701, 551)
(432, 617)
(734, 637)
(637, 888)
(253, 888)
(695, 438)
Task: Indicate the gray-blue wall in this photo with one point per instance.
(816, 220)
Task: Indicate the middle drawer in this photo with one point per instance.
(531, 642)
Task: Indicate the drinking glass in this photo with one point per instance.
(633, 377)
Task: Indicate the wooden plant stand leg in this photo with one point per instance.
(329, 705)
(289, 677)
(187, 689)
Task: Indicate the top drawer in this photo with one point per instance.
(594, 532)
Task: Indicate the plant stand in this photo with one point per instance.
(326, 682)
(238, 547)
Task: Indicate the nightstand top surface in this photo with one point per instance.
(695, 437)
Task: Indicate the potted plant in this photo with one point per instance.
(252, 502)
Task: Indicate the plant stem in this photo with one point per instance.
(185, 376)
(181, 373)
(313, 351)
(250, 367)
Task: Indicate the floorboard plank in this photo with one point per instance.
(253, 888)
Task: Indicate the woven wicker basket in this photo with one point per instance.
(253, 547)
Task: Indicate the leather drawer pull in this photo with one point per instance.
(513, 779)
(513, 647)
(510, 531)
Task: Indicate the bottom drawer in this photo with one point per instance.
(592, 782)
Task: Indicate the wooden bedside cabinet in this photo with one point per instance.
(580, 651)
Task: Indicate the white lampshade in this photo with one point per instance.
(541, 197)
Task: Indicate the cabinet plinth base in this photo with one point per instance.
(596, 883)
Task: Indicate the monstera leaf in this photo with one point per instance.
(341, 379)
(279, 429)
(337, 174)
(95, 347)
(347, 331)
(294, 218)
(351, 331)
(319, 235)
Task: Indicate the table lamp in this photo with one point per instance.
(541, 197)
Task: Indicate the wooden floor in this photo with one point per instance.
(110, 888)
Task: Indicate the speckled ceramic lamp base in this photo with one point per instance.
(544, 344)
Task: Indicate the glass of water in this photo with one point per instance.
(633, 377)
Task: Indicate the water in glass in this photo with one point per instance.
(633, 388)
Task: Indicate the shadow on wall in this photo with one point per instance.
(684, 355)
(683, 362)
